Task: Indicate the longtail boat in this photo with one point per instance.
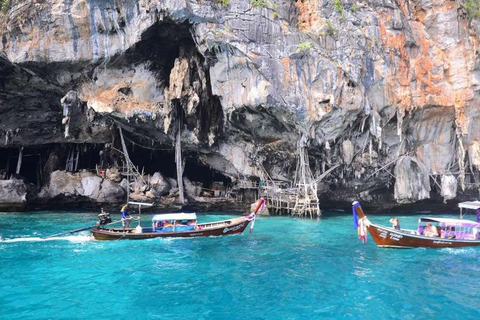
(173, 225)
(430, 233)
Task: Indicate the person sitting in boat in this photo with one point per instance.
(104, 218)
(395, 223)
(126, 218)
(430, 230)
(167, 224)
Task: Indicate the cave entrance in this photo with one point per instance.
(150, 161)
(31, 159)
(38, 162)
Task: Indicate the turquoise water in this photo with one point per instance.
(285, 269)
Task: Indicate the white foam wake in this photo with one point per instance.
(78, 238)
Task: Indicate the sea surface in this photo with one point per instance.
(285, 269)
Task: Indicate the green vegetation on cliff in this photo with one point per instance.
(224, 3)
(472, 9)
(4, 5)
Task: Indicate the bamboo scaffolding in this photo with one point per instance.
(301, 199)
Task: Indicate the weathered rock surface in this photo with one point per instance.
(13, 195)
(387, 93)
(160, 184)
(83, 185)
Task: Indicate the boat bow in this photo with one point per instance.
(360, 221)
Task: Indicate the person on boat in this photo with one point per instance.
(395, 223)
(168, 224)
(126, 218)
(430, 230)
(104, 218)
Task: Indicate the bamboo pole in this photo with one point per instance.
(19, 162)
(76, 161)
(178, 160)
(127, 160)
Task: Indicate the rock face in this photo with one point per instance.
(385, 92)
(82, 186)
(13, 195)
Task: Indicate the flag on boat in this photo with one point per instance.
(355, 218)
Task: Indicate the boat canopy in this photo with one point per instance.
(175, 216)
(469, 205)
(448, 222)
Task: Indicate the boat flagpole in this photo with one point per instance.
(260, 205)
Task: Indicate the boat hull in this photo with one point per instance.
(391, 238)
(213, 229)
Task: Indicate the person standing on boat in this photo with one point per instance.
(125, 217)
(395, 223)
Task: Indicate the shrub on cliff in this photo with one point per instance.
(4, 5)
(471, 9)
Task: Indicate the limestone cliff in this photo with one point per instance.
(385, 91)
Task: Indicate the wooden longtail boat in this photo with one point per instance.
(175, 225)
(450, 233)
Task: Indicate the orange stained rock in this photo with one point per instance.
(432, 87)
(286, 72)
(111, 98)
(307, 14)
(252, 55)
(448, 6)
(382, 29)
(402, 5)
(461, 121)
(395, 43)
(462, 96)
(419, 14)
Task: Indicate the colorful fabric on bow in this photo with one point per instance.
(362, 231)
(359, 225)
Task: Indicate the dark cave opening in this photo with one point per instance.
(31, 158)
(150, 161)
(35, 160)
(207, 176)
(91, 156)
(160, 45)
